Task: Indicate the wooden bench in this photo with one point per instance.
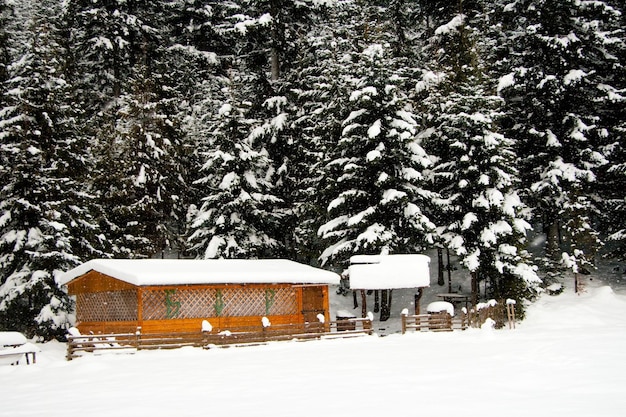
(14, 346)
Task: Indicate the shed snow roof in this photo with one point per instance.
(211, 271)
(380, 272)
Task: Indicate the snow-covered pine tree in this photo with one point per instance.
(615, 198)
(140, 177)
(483, 220)
(374, 191)
(320, 93)
(200, 25)
(613, 179)
(268, 38)
(272, 30)
(45, 222)
(5, 55)
(555, 94)
(197, 55)
(238, 213)
(108, 37)
(289, 137)
(199, 47)
(122, 63)
(435, 13)
(612, 176)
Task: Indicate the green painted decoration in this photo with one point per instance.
(172, 308)
(270, 294)
(219, 303)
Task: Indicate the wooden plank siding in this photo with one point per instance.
(108, 305)
(94, 281)
(104, 327)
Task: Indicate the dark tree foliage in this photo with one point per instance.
(237, 209)
(557, 94)
(46, 225)
(481, 217)
(242, 128)
(5, 57)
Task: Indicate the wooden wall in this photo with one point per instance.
(106, 305)
(94, 281)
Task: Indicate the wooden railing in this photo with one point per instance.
(434, 322)
(500, 312)
(237, 336)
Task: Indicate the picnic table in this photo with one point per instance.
(14, 346)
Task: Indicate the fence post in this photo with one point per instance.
(404, 313)
(266, 323)
(510, 312)
(367, 325)
(138, 337)
(70, 348)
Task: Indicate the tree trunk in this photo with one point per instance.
(275, 62)
(376, 302)
(552, 241)
(449, 268)
(440, 266)
(474, 277)
(363, 304)
(385, 307)
(418, 297)
(276, 40)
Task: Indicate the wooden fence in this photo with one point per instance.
(131, 342)
(500, 312)
(434, 322)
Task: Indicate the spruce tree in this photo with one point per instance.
(237, 208)
(482, 217)
(45, 221)
(284, 36)
(375, 186)
(139, 172)
(5, 55)
(321, 93)
(555, 96)
(612, 176)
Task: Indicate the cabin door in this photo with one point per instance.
(312, 303)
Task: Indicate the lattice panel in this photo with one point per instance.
(259, 302)
(107, 306)
(153, 305)
(239, 302)
(221, 302)
(180, 303)
(283, 303)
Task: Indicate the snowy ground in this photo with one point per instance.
(565, 359)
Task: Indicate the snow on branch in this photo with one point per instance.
(452, 26)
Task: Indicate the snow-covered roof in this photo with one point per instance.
(379, 272)
(211, 271)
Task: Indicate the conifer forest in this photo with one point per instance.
(310, 130)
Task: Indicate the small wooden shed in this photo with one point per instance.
(177, 295)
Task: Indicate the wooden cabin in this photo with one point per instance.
(168, 295)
